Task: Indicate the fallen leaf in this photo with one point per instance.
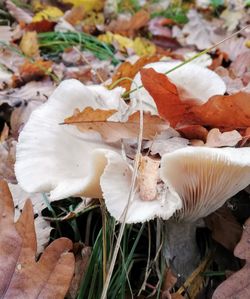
(169, 282)
(42, 226)
(165, 94)
(217, 112)
(147, 177)
(231, 18)
(51, 13)
(111, 131)
(231, 111)
(129, 27)
(126, 69)
(225, 229)
(40, 26)
(29, 44)
(7, 161)
(4, 133)
(157, 26)
(200, 32)
(5, 33)
(18, 13)
(217, 139)
(82, 254)
(237, 285)
(21, 275)
(75, 15)
(193, 132)
(89, 5)
(143, 46)
(30, 71)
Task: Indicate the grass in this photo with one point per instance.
(52, 44)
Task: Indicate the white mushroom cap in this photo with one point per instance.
(58, 158)
(116, 184)
(192, 81)
(205, 178)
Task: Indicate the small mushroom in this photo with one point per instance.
(192, 81)
(116, 183)
(204, 178)
(57, 158)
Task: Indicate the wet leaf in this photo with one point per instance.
(21, 275)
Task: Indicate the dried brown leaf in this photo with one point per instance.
(21, 276)
(237, 285)
(225, 229)
(111, 131)
(126, 69)
(217, 139)
(129, 27)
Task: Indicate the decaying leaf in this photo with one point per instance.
(169, 281)
(89, 5)
(112, 131)
(126, 69)
(18, 13)
(225, 229)
(30, 71)
(29, 44)
(147, 177)
(42, 226)
(228, 111)
(217, 139)
(51, 13)
(21, 275)
(129, 27)
(237, 285)
(7, 160)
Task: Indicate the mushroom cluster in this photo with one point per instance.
(65, 162)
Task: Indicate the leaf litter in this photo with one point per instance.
(43, 43)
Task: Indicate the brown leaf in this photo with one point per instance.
(40, 26)
(237, 285)
(169, 281)
(194, 132)
(30, 71)
(129, 27)
(96, 120)
(21, 276)
(82, 254)
(231, 111)
(217, 139)
(29, 44)
(75, 15)
(165, 95)
(7, 160)
(225, 229)
(126, 69)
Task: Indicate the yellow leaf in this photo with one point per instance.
(143, 46)
(29, 44)
(50, 13)
(89, 5)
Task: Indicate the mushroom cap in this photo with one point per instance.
(116, 183)
(205, 178)
(192, 81)
(58, 158)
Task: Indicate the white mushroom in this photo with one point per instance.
(59, 159)
(116, 183)
(205, 178)
(192, 81)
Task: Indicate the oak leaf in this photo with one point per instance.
(111, 131)
(129, 27)
(165, 95)
(21, 276)
(129, 70)
(237, 285)
(225, 111)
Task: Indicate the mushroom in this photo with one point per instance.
(204, 178)
(59, 159)
(192, 81)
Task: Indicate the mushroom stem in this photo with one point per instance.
(180, 249)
